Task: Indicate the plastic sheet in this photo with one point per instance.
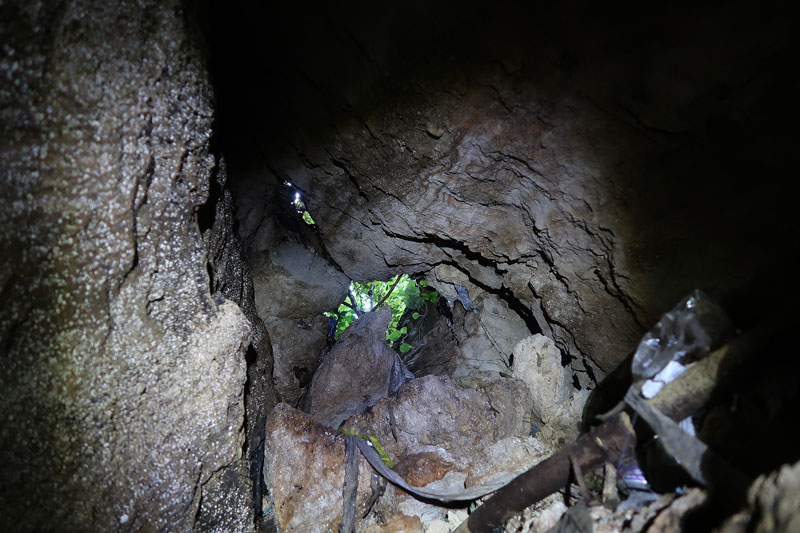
(687, 333)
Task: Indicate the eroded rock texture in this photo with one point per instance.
(305, 471)
(122, 378)
(586, 166)
(231, 278)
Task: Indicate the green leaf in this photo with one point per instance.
(405, 347)
(404, 330)
(423, 283)
(415, 315)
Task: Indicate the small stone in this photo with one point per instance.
(434, 131)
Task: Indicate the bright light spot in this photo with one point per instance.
(297, 197)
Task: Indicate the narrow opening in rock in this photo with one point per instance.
(298, 204)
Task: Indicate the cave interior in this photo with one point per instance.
(563, 172)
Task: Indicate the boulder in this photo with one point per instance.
(356, 373)
(298, 345)
(556, 404)
(304, 472)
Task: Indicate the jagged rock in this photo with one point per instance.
(123, 379)
(541, 516)
(663, 515)
(230, 277)
(397, 524)
(304, 472)
(557, 405)
(511, 454)
(470, 425)
(293, 286)
(356, 373)
(292, 281)
(297, 345)
(481, 339)
(460, 417)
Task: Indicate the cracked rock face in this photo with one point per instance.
(589, 170)
(122, 378)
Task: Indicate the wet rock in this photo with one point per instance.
(557, 405)
(356, 372)
(304, 472)
(123, 379)
(230, 278)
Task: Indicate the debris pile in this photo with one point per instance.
(442, 454)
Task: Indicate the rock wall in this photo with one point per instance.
(587, 166)
(122, 378)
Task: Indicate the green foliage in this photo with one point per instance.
(307, 218)
(385, 457)
(364, 297)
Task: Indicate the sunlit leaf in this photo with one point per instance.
(405, 347)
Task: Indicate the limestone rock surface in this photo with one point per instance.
(122, 378)
(304, 472)
(293, 286)
(298, 345)
(450, 435)
(480, 339)
(460, 416)
(356, 372)
(231, 279)
(556, 404)
(291, 281)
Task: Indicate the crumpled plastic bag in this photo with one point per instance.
(687, 333)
